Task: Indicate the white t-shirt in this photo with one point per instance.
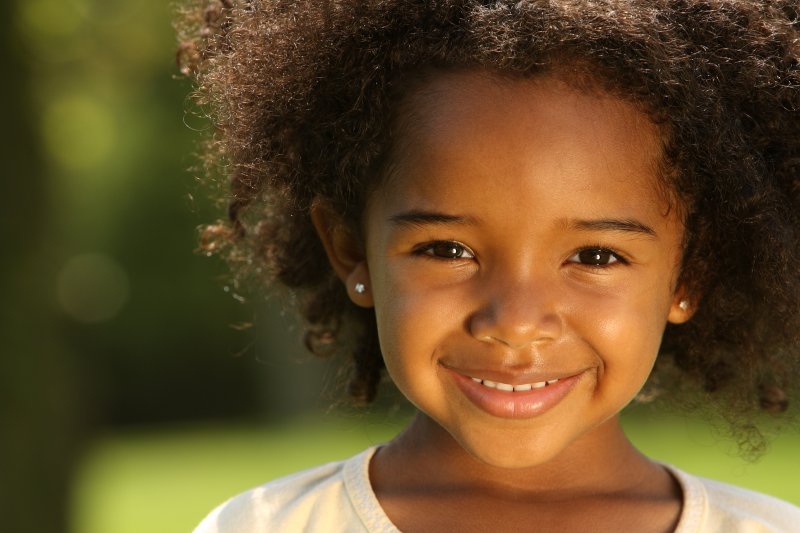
(337, 497)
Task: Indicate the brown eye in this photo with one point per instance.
(595, 257)
(448, 250)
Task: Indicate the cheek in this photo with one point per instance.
(626, 329)
(402, 316)
(414, 323)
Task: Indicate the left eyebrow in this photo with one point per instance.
(424, 218)
(613, 224)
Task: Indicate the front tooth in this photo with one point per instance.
(490, 384)
(505, 387)
(539, 385)
(525, 387)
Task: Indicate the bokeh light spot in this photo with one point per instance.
(52, 18)
(79, 132)
(92, 288)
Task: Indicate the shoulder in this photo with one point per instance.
(711, 506)
(324, 498)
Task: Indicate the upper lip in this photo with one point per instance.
(511, 377)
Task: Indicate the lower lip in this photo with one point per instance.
(521, 405)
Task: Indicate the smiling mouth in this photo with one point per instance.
(516, 400)
(514, 388)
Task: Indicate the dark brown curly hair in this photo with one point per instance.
(303, 96)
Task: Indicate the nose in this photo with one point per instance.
(517, 314)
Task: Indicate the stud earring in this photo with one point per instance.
(684, 305)
(360, 288)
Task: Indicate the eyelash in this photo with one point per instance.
(459, 250)
(619, 259)
(428, 249)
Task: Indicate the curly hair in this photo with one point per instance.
(303, 97)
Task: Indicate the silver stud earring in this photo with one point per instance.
(684, 305)
(360, 288)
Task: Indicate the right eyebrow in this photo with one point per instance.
(417, 217)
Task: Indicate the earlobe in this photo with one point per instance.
(357, 285)
(345, 253)
(681, 309)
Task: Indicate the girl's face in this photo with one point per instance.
(522, 261)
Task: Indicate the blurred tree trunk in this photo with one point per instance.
(37, 389)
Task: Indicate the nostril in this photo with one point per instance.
(515, 329)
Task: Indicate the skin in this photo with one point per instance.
(521, 236)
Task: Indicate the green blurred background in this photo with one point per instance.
(132, 396)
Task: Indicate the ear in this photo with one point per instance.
(682, 307)
(345, 253)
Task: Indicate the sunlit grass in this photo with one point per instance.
(167, 480)
(704, 450)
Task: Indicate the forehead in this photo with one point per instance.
(458, 131)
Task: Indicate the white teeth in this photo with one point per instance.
(518, 388)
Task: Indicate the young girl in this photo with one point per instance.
(518, 211)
